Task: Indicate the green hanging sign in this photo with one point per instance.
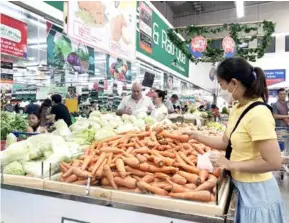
(56, 4)
(152, 40)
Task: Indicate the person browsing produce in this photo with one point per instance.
(34, 123)
(136, 103)
(252, 149)
(280, 109)
(59, 110)
(160, 111)
(44, 111)
(172, 103)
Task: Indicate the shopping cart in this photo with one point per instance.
(283, 140)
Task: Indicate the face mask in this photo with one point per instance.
(226, 95)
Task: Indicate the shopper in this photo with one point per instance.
(172, 104)
(59, 110)
(31, 107)
(252, 150)
(135, 103)
(34, 123)
(215, 111)
(160, 112)
(280, 109)
(44, 112)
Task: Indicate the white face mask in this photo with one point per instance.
(226, 95)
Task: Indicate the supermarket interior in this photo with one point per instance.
(147, 111)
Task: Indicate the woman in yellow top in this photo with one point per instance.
(254, 148)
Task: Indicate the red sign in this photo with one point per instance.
(228, 44)
(13, 37)
(199, 44)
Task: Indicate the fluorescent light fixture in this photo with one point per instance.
(240, 8)
(281, 34)
(36, 41)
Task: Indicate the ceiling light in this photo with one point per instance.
(239, 8)
(37, 46)
(280, 34)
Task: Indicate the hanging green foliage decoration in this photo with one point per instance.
(240, 33)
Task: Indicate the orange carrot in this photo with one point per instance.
(131, 161)
(80, 173)
(207, 185)
(124, 189)
(86, 161)
(185, 158)
(128, 182)
(176, 188)
(116, 157)
(163, 185)
(129, 149)
(140, 142)
(153, 189)
(179, 179)
(181, 138)
(110, 150)
(68, 172)
(143, 134)
(169, 161)
(191, 186)
(154, 138)
(204, 196)
(199, 149)
(151, 168)
(158, 161)
(187, 146)
(66, 165)
(215, 190)
(98, 163)
(141, 150)
(161, 175)
(71, 178)
(188, 168)
(105, 181)
(120, 167)
(63, 168)
(178, 158)
(158, 130)
(135, 171)
(167, 154)
(213, 198)
(204, 175)
(148, 178)
(107, 172)
(112, 138)
(217, 172)
(141, 158)
(192, 178)
(99, 171)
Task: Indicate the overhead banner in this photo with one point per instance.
(152, 40)
(63, 53)
(275, 76)
(13, 37)
(106, 25)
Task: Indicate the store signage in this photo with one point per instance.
(106, 25)
(63, 52)
(197, 46)
(229, 47)
(152, 40)
(118, 69)
(13, 37)
(275, 76)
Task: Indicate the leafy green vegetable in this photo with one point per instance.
(14, 168)
(12, 122)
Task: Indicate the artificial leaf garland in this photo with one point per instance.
(213, 55)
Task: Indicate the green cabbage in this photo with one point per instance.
(103, 134)
(11, 138)
(14, 168)
(149, 120)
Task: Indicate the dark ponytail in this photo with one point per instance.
(259, 86)
(161, 94)
(253, 78)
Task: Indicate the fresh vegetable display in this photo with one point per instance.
(12, 122)
(153, 161)
(43, 150)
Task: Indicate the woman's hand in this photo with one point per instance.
(219, 160)
(190, 133)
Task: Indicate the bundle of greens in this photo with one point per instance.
(12, 122)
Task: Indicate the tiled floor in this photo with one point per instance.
(284, 187)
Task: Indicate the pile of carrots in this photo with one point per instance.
(153, 161)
